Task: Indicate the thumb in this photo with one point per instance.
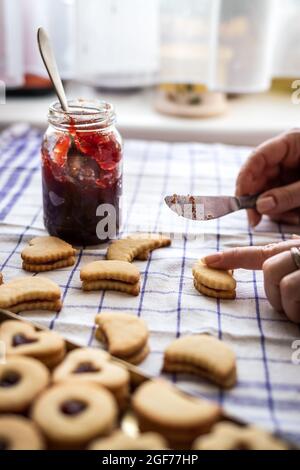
(279, 200)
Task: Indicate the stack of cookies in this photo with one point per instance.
(30, 293)
(126, 336)
(215, 283)
(202, 355)
(46, 254)
(111, 275)
(160, 407)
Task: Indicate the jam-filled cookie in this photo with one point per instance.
(88, 365)
(22, 339)
(70, 415)
(21, 381)
(19, 433)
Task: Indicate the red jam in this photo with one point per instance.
(81, 171)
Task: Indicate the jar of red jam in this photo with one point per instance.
(82, 173)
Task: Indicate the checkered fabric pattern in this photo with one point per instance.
(268, 390)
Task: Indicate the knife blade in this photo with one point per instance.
(208, 207)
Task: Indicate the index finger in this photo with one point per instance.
(251, 257)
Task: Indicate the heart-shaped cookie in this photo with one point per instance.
(22, 339)
(94, 366)
(43, 250)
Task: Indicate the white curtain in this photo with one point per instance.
(229, 45)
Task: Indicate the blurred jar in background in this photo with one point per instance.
(21, 67)
(117, 43)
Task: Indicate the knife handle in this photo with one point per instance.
(248, 202)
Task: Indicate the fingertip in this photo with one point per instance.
(266, 204)
(253, 218)
(212, 260)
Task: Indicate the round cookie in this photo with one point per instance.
(22, 339)
(89, 365)
(21, 381)
(19, 433)
(121, 441)
(161, 408)
(71, 415)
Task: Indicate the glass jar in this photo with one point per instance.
(82, 173)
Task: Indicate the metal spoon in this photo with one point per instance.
(49, 60)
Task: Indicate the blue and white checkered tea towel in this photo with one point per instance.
(268, 390)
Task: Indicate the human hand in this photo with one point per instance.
(273, 169)
(281, 275)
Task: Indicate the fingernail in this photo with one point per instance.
(265, 204)
(212, 259)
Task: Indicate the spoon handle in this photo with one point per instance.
(49, 60)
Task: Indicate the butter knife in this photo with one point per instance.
(208, 207)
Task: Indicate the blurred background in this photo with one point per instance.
(228, 64)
